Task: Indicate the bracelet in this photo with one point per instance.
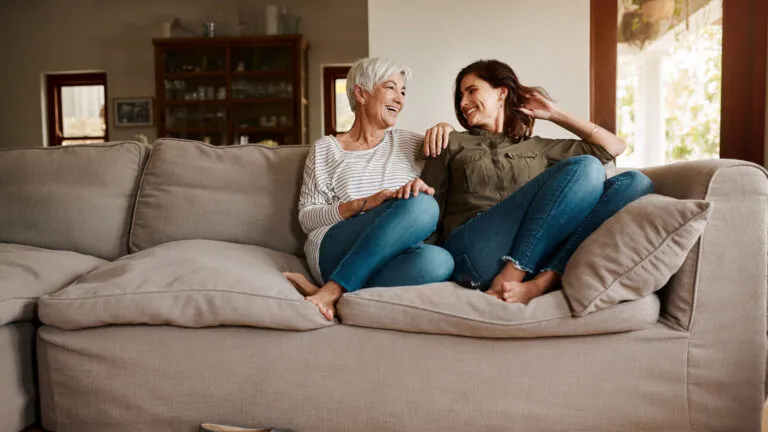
(594, 131)
(362, 207)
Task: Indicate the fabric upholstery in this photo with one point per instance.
(76, 198)
(189, 283)
(634, 253)
(242, 194)
(18, 404)
(446, 308)
(28, 273)
(344, 379)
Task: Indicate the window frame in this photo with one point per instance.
(54, 84)
(743, 100)
(330, 75)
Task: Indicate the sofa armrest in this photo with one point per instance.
(729, 261)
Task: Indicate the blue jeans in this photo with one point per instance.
(383, 248)
(539, 226)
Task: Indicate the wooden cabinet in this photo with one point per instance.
(229, 91)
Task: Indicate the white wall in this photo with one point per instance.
(115, 36)
(546, 42)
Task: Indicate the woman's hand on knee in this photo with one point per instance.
(436, 139)
(413, 187)
(355, 207)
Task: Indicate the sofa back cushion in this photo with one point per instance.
(76, 198)
(241, 194)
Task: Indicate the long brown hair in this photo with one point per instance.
(517, 125)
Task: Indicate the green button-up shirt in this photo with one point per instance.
(479, 169)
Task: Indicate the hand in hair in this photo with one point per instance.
(539, 107)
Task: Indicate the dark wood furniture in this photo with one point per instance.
(232, 90)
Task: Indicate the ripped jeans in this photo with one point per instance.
(539, 226)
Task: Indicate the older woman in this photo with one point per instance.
(362, 204)
(516, 206)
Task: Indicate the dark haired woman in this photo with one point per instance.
(514, 207)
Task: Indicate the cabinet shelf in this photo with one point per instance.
(201, 74)
(196, 102)
(266, 100)
(196, 130)
(276, 129)
(263, 74)
(273, 59)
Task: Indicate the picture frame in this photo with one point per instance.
(133, 112)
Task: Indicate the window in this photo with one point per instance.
(739, 29)
(76, 108)
(338, 115)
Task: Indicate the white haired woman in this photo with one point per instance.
(362, 204)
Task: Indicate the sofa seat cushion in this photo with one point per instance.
(447, 308)
(188, 283)
(28, 273)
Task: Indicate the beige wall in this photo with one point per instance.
(115, 36)
(545, 41)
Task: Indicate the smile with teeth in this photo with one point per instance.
(470, 111)
(391, 108)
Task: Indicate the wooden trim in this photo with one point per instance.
(54, 83)
(603, 42)
(745, 40)
(330, 75)
(263, 40)
(745, 47)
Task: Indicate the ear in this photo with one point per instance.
(503, 92)
(360, 95)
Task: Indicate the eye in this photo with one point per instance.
(402, 93)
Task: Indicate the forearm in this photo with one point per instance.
(590, 132)
(352, 208)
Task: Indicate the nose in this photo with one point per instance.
(399, 98)
(464, 103)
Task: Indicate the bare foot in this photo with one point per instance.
(524, 292)
(495, 293)
(325, 299)
(521, 292)
(301, 283)
(509, 273)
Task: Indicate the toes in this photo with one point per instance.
(328, 313)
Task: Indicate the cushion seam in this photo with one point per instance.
(172, 292)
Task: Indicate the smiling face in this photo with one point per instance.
(481, 104)
(382, 106)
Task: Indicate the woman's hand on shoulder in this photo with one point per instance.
(413, 187)
(539, 107)
(436, 139)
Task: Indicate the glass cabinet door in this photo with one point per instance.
(206, 123)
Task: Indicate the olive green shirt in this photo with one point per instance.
(479, 169)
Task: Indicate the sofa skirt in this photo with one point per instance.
(342, 378)
(17, 384)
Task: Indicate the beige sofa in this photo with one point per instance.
(162, 306)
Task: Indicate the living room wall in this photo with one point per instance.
(545, 41)
(116, 36)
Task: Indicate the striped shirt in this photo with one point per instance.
(333, 175)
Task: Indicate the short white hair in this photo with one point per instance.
(369, 72)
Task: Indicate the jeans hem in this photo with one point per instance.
(509, 259)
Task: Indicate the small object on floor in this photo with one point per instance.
(213, 427)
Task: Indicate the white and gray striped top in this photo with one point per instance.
(333, 175)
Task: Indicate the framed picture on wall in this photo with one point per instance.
(133, 112)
